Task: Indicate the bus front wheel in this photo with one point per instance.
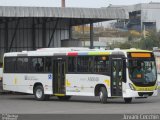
(39, 93)
(103, 95)
(127, 100)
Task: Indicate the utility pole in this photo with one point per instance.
(144, 31)
(63, 3)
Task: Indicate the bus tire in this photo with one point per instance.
(39, 93)
(127, 100)
(103, 95)
(64, 97)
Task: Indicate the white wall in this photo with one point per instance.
(151, 15)
(113, 40)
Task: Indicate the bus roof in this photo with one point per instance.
(69, 52)
(136, 50)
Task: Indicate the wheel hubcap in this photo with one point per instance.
(39, 93)
(101, 95)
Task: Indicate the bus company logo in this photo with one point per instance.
(141, 116)
(96, 79)
(9, 117)
(26, 77)
(76, 90)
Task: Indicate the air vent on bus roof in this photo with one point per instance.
(132, 48)
(116, 48)
(24, 51)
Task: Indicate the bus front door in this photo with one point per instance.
(59, 70)
(117, 75)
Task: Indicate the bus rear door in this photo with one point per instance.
(59, 71)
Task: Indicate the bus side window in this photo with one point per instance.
(9, 65)
(101, 64)
(22, 65)
(83, 64)
(37, 64)
(72, 64)
(48, 64)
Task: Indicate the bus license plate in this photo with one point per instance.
(145, 95)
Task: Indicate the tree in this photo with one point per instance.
(125, 45)
(150, 41)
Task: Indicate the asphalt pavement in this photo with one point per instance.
(26, 104)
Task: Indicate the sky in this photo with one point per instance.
(72, 3)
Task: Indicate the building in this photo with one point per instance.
(29, 28)
(144, 16)
(81, 43)
(113, 40)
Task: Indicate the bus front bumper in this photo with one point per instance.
(131, 93)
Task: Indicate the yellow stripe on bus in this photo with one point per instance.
(98, 53)
(15, 81)
(144, 88)
(107, 83)
(68, 84)
(59, 94)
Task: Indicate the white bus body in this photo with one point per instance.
(61, 75)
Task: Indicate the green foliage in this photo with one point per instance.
(130, 38)
(125, 45)
(150, 41)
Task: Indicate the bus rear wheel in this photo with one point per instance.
(64, 97)
(127, 100)
(103, 95)
(39, 94)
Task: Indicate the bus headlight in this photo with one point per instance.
(131, 86)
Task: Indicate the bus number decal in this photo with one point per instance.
(50, 77)
(27, 77)
(93, 79)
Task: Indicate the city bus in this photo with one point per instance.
(67, 72)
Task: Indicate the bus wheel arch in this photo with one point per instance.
(37, 84)
(38, 91)
(101, 91)
(97, 89)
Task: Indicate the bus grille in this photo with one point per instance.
(145, 93)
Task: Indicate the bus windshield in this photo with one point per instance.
(142, 71)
